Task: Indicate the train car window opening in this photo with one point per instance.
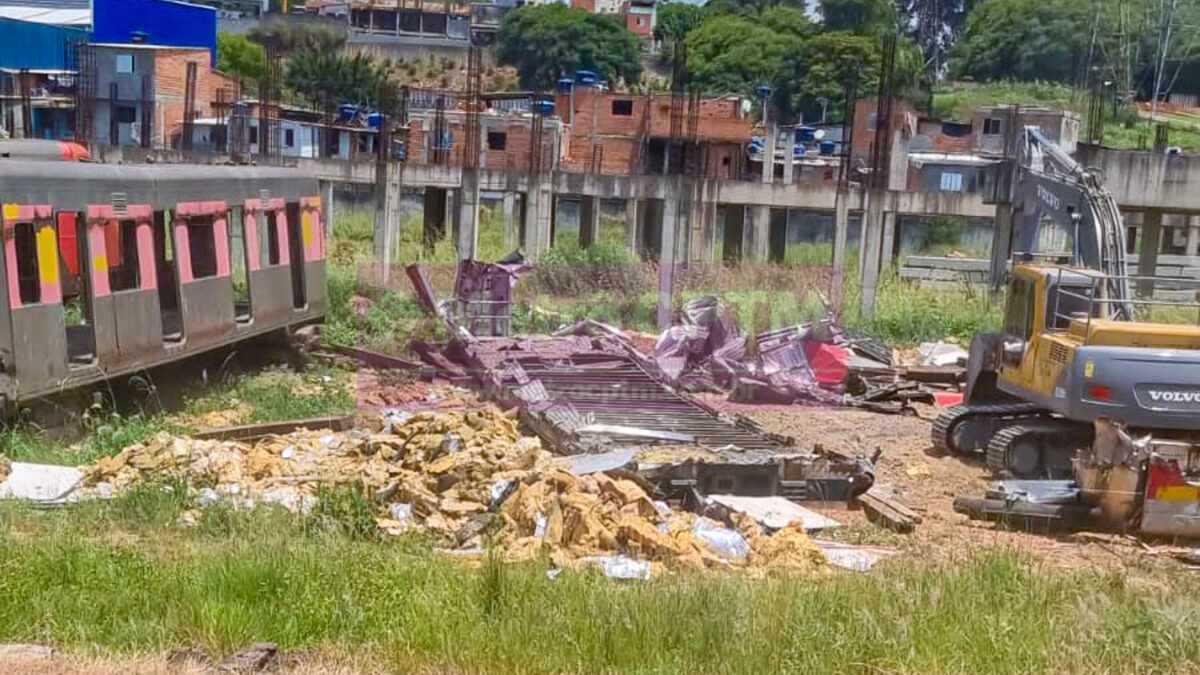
(239, 257)
(202, 245)
(124, 272)
(268, 242)
(168, 279)
(296, 255)
(28, 281)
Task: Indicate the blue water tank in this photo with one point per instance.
(374, 120)
(347, 111)
(543, 108)
(565, 84)
(763, 91)
(828, 147)
(799, 151)
(585, 78)
(805, 134)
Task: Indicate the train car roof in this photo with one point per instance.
(73, 186)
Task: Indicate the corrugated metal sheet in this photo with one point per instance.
(35, 46)
(156, 22)
(51, 17)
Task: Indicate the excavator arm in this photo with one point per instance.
(1051, 189)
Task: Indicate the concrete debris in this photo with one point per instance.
(12, 652)
(773, 513)
(851, 557)
(42, 483)
(466, 478)
(942, 354)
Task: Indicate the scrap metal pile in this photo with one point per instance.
(466, 478)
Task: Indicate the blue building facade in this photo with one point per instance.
(38, 47)
(165, 23)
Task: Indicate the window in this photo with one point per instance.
(992, 126)
(872, 121)
(623, 107)
(951, 181)
(27, 264)
(254, 134)
(125, 63)
(202, 244)
(497, 140)
(126, 114)
(639, 20)
(123, 258)
(1018, 316)
(289, 138)
(268, 239)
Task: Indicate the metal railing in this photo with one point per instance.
(1097, 306)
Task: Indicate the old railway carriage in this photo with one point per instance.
(110, 269)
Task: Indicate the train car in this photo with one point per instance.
(173, 261)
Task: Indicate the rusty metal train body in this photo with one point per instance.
(160, 262)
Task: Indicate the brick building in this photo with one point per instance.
(139, 92)
(622, 133)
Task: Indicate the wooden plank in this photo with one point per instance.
(965, 264)
(249, 432)
(884, 508)
(374, 359)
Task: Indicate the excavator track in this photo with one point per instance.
(1037, 448)
(945, 428)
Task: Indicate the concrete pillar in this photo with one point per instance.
(1193, 236)
(667, 260)
(891, 225)
(841, 228)
(327, 206)
(768, 165)
(454, 211)
(789, 169)
(589, 220)
(733, 244)
(387, 216)
(777, 239)
(758, 232)
(538, 215)
(871, 249)
(1002, 235)
(1148, 250)
(467, 239)
(508, 210)
(632, 225)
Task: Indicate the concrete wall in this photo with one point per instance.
(1147, 180)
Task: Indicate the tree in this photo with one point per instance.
(864, 17)
(287, 37)
(935, 25)
(547, 42)
(329, 78)
(241, 58)
(731, 54)
(675, 20)
(1024, 40)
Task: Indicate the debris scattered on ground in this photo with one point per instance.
(46, 484)
(885, 508)
(773, 513)
(255, 658)
(247, 432)
(942, 354)
(390, 390)
(467, 478)
(13, 652)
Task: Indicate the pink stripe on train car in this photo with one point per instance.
(220, 228)
(183, 252)
(46, 250)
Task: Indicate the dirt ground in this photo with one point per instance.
(929, 482)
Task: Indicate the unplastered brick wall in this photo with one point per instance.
(170, 84)
(606, 114)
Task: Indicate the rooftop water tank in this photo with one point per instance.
(543, 108)
(565, 84)
(585, 78)
(828, 147)
(805, 134)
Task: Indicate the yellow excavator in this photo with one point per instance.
(1076, 351)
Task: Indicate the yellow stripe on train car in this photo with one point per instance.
(1178, 494)
(12, 211)
(306, 227)
(47, 253)
(100, 264)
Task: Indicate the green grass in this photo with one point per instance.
(122, 578)
(273, 395)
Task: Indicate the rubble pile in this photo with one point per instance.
(470, 479)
